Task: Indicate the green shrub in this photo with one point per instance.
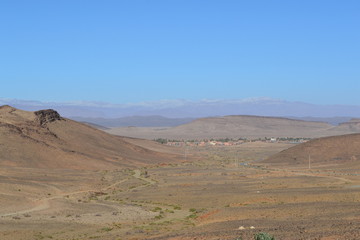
(157, 209)
(263, 236)
(192, 216)
(177, 207)
(161, 140)
(107, 229)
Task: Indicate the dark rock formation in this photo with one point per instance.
(47, 116)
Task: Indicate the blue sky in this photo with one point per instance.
(133, 51)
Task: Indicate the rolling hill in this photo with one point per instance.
(341, 150)
(239, 126)
(44, 139)
(351, 126)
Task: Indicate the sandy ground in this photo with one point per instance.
(225, 193)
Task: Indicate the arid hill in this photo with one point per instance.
(341, 150)
(232, 127)
(44, 139)
(352, 126)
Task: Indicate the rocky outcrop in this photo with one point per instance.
(7, 108)
(47, 116)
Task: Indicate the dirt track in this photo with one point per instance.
(210, 198)
(43, 204)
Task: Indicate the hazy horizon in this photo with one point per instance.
(180, 108)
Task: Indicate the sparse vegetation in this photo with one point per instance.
(176, 207)
(169, 211)
(157, 209)
(263, 236)
(160, 216)
(107, 229)
(222, 185)
(161, 140)
(192, 216)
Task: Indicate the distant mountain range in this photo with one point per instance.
(159, 121)
(134, 121)
(185, 110)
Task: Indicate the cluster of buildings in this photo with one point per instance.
(228, 142)
(205, 143)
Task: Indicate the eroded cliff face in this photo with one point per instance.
(46, 116)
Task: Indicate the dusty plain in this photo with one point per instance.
(213, 193)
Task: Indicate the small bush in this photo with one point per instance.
(161, 140)
(106, 229)
(192, 216)
(263, 236)
(157, 209)
(158, 217)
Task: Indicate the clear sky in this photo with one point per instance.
(145, 50)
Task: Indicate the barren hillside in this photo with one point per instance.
(352, 126)
(44, 139)
(341, 150)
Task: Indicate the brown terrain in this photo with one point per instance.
(43, 139)
(63, 180)
(341, 151)
(240, 126)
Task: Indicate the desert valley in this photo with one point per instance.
(62, 179)
(179, 120)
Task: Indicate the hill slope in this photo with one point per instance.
(44, 139)
(351, 126)
(344, 150)
(232, 127)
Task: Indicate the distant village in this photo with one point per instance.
(228, 141)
